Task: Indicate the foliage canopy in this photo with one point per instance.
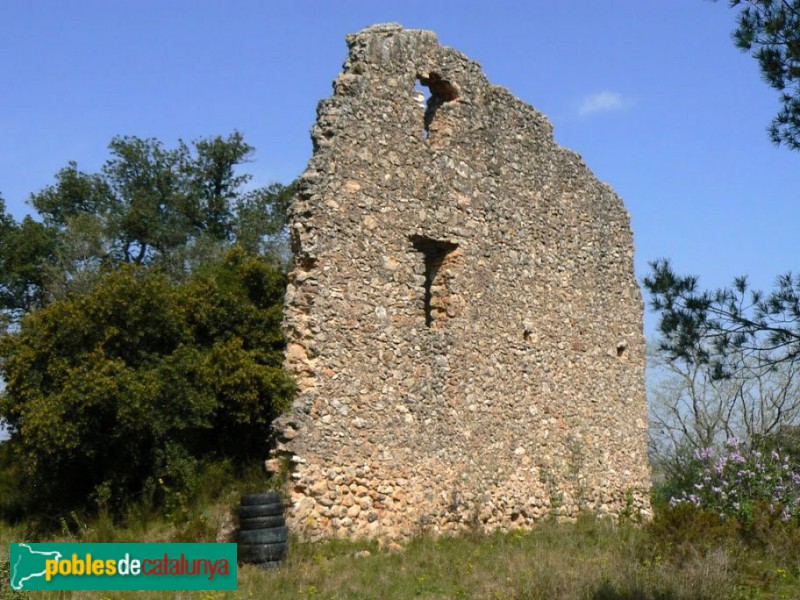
(126, 388)
(142, 313)
(173, 208)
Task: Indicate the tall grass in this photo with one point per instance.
(683, 554)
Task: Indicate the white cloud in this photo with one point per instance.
(602, 102)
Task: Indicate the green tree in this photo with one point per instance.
(214, 184)
(261, 218)
(174, 208)
(123, 390)
(770, 31)
(150, 200)
(26, 249)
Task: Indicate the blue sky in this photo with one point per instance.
(652, 93)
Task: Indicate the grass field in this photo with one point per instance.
(679, 557)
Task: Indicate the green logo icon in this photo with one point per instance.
(123, 567)
(29, 564)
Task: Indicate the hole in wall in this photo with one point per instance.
(435, 253)
(422, 95)
(441, 89)
(432, 91)
(621, 347)
(305, 262)
(527, 328)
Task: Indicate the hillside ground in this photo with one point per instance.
(680, 555)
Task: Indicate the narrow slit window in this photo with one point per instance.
(436, 255)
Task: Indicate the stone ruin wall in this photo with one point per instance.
(463, 319)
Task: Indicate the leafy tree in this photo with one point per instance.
(150, 199)
(770, 31)
(75, 193)
(174, 208)
(146, 302)
(123, 390)
(214, 184)
(261, 217)
(25, 251)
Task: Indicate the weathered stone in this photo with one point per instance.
(319, 487)
(462, 317)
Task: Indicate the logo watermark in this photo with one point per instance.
(76, 566)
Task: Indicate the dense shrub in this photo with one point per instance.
(126, 388)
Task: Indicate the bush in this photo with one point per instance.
(125, 389)
(735, 482)
(684, 529)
